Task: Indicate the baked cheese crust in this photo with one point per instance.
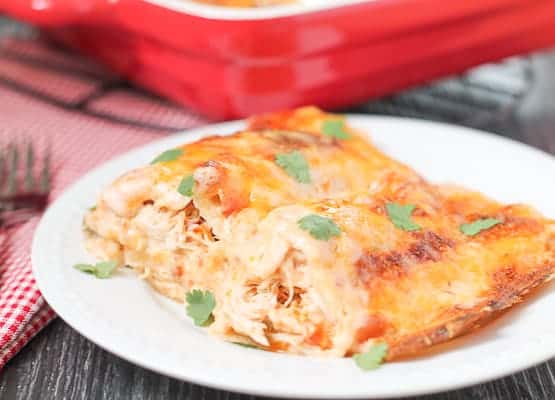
(279, 287)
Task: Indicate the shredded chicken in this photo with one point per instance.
(284, 287)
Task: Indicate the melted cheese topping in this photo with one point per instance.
(279, 287)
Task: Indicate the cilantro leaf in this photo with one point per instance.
(186, 186)
(335, 128)
(168, 155)
(319, 227)
(400, 216)
(249, 346)
(473, 228)
(101, 270)
(295, 165)
(373, 358)
(92, 208)
(200, 306)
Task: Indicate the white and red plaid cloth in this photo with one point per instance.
(55, 98)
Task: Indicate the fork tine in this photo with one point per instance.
(2, 167)
(29, 180)
(13, 161)
(45, 172)
(3, 172)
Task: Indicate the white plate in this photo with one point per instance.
(124, 316)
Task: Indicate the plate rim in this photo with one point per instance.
(190, 135)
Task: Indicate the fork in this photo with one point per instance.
(22, 192)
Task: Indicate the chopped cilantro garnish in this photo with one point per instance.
(335, 128)
(168, 155)
(250, 346)
(400, 215)
(186, 186)
(101, 270)
(295, 165)
(200, 306)
(92, 208)
(319, 227)
(473, 228)
(373, 358)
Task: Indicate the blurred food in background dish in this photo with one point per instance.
(245, 3)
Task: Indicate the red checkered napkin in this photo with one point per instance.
(78, 139)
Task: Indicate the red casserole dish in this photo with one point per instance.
(220, 104)
(234, 62)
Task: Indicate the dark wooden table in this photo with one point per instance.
(61, 364)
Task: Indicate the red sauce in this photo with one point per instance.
(375, 326)
(279, 346)
(320, 338)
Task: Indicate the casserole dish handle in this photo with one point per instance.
(57, 12)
